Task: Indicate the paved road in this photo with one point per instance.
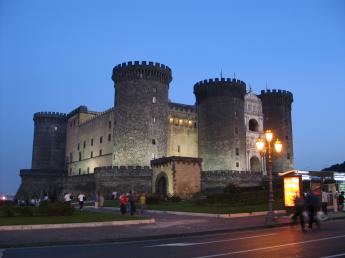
(328, 241)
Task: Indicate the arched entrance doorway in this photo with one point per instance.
(255, 164)
(162, 184)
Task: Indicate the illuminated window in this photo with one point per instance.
(190, 123)
(100, 152)
(237, 164)
(171, 120)
(237, 151)
(154, 100)
(92, 142)
(109, 137)
(180, 122)
(154, 119)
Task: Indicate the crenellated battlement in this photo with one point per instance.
(142, 71)
(219, 87)
(51, 115)
(277, 96)
(182, 107)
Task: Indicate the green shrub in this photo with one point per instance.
(154, 199)
(6, 211)
(174, 198)
(25, 211)
(55, 209)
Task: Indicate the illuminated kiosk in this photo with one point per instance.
(314, 181)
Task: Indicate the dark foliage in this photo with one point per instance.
(336, 167)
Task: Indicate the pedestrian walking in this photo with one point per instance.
(81, 199)
(142, 202)
(299, 209)
(312, 203)
(324, 201)
(132, 202)
(101, 199)
(123, 200)
(341, 201)
(67, 198)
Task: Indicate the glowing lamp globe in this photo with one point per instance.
(269, 135)
(260, 144)
(278, 146)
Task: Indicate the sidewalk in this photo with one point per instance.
(167, 225)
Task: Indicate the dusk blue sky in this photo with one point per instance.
(57, 55)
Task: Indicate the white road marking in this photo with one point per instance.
(211, 242)
(335, 255)
(2, 252)
(271, 247)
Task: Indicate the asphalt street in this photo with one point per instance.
(327, 241)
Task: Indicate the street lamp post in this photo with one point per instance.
(264, 146)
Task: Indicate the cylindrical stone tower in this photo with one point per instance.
(221, 127)
(276, 106)
(49, 145)
(141, 112)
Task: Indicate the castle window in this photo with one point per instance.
(91, 141)
(190, 122)
(253, 125)
(109, 124)
(79, 156)
(153, 141)
(79, 171)
(194, 124)
(288, 155)
(84, 144)
(171, 120)
(101, 139)
(91, 154)
(109, 137)
(176, 121)
(154, 119)
(73, 122)
(154, 90)
(88, 170)
(236, 130)
(114, 157)
(235, 113)
(100, 152)
(237, 151)
(71, 157)
(180, 122)
(287, 137)
(154, 100)
(237, 164)
(78, 146)
(178, 148)
(153, 156)
(70, 124)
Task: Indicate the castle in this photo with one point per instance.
(132, 144)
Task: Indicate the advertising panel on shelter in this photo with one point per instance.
(292, 190)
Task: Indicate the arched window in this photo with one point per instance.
(253, 125)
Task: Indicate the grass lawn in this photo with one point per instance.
(77, 217)
(188, 206)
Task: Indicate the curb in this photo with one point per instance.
(77, 225)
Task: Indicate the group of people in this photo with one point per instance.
(128, 202)
(68, 197)
(308, 205)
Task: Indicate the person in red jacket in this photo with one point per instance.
(123, 200)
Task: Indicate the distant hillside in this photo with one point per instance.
(336, 167)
